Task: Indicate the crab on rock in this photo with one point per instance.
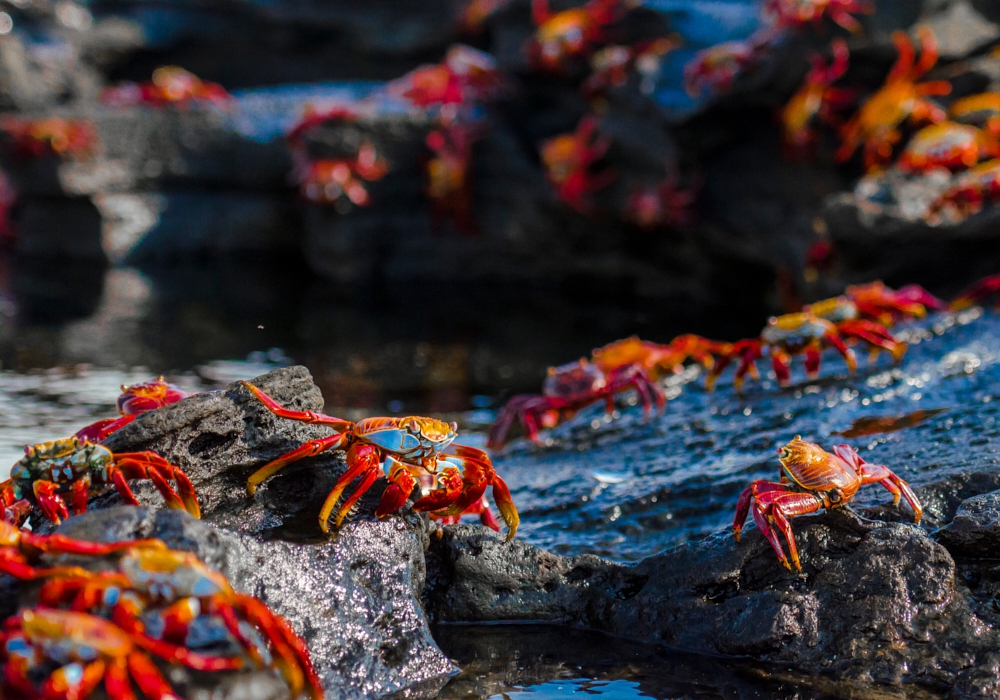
(405, 448)
(812, 479)
(566, 390)
(659, 360)
(816, 99)
(570, 34)
(134, 400)
(568, 159)
(74, 467)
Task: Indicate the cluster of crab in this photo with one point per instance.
(862, 315)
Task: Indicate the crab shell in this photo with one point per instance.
(834, 310)
(170, 575)
(795, 331)
(147, 396)
(61, 462)
(412, 438)
(815, 469)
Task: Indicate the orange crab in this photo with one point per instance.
(406, 448)
(659, 360)
(448, 183)
(948, 145)
(134, 401)
(74, 467)
(812, 479)
(806, 333)
(572, 34)
(331, 180)
(796, 13)
(816, 99)
(982, 110)
(568, 158)
(567, 389)
(900, 99)
(52, 136)
(612, 65)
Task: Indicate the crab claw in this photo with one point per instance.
(401, 484)
(50, 502)
(450, 488)
(505, 504)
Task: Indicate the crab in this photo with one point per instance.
(812, 479)
(133, 401)
(466, 75)
(63, 655)
(170, 595)
(816, 99)
(330, 180)
(974, 188)
(659, 360)
(566, 390)
(664, 204)
(713, 70)
(405, 448)
(948, 145)
(573, 34)
(805, 333)
(797, 13)
(982, 110)
(170, 85)
(75, 467)
(611, 65)
(32, 138)
(18, 547)
(568, 158)
(900, 100)
(448, 182)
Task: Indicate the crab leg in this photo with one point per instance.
(451, 485)
(401, 485)
(477, 474)
(777, 507)
(875, 335)
(745, 499)
(780, 362)
(66, 683)
(833, 339)
(50, 502)
(363, 460)
(338, 424)
(871, 473)
(149, 465)
(116, 681)
(149, 679)
(96, 432)
(309, 449)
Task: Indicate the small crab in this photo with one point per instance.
(612, 65)
(659, 360)
(568, 159)
(948, 145)
(900, 99)
(806, 333)
(796, 13)
(888, 306)
(448, 183)
(466, 75)
(172, 85)
(714, 69)
(18, 547)
(405, 448)
(973, 189)
(134, 401)
(167, 594)
(982, 110)
(63, 654)
(664, 204)
(812, 479)
(32, 138)
(815, 99)
(572, 34)
(75, 467)
(566, 390)
(331, 180)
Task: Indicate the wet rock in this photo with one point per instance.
(59, 227)
(876, 602)
(975, 529)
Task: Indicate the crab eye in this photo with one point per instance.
(414, 426)
(454, 426)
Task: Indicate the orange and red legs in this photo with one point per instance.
(149, 465)
(983, 289)
(872, 473)
(875, 335)
(772, 505)
(97, 431)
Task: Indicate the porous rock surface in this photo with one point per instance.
(352, 597)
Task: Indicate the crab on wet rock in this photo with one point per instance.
(816, 99)
(401, 450)
(812, 479)
(134, 401)
(571, 34)
(74, 468)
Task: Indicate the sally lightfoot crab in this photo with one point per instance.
(134, 400)
(73, 467)
(812, 479)
(400, 450)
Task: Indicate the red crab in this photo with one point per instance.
(659, 360)
(888, 306)
(983, 289)
(74, 467)
(612, 65)
(796, 13)
(407, 448)
(982, 110)
(568, 158)
(812, 479)
(566, 390)
(816, 99)
(330, 180)
(900, 99)
(154, 595)
(466, 75)
(714, 69)
(804, 333)
(32, 138)
(170, 85)
(662, 205)
(948, 145)
(134, 400)
(572, 34)
(448, 182)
